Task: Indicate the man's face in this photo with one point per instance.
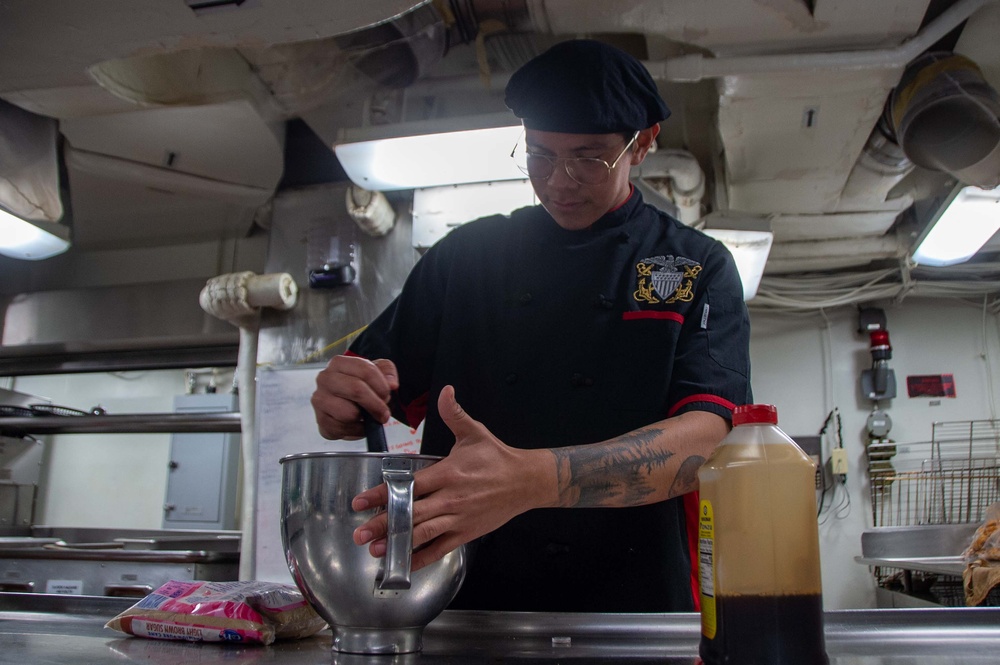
(572, 205)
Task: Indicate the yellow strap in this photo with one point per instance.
(924, 78)
(445, 11)
(346, 338)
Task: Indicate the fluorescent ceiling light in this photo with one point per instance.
(21, 239)
(961, 228)
(750, 250)
(432, 160)
(438, 210)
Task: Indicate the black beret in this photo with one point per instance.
(584, 86)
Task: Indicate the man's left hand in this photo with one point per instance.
(478, 487)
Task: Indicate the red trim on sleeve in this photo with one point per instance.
(691, 501)
(348, 352)
(714, 399)
(651, 314)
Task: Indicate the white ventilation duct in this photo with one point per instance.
(695, 67)
(677, 175)
(185, 78)
(881, 166)
(167, 180)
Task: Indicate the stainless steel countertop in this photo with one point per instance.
(35, 628)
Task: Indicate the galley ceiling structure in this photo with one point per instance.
(180, 107)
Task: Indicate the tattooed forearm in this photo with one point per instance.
(687, 476)
(613, 474)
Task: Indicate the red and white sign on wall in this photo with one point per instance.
(931, 385)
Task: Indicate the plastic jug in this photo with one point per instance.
(761, 592)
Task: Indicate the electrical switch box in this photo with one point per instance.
(203, 469)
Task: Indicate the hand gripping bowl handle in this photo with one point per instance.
(394, 575)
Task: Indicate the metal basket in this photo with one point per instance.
(951, 479)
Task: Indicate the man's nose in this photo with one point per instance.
(560, 175)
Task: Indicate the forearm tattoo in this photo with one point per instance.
(687, 476)
(619, 473)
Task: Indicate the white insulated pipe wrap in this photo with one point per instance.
(236, 298)
(239, 294)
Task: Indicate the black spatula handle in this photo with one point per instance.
(374, 433)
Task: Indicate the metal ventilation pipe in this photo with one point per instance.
(946, 117)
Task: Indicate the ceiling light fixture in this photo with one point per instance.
(750, 250)
(438, 210)
(430, 154)
(748, 238)
(961, 226)
(31, 240)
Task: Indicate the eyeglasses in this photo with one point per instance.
(583, 170)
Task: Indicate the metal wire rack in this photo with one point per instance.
(950, 479)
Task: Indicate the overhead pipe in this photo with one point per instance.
(881, 166)
(695, 67)
(685, 175)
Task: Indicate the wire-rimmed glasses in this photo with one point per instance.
(583, 170)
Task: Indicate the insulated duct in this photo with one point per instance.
(946, 117)
(881, 166)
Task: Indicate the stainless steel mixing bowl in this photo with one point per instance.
(374, 605)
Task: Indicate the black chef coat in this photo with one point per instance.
(556, 338)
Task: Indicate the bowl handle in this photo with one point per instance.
(397, 472)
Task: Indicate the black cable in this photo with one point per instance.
(822, 475)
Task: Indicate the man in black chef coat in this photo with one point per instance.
(597, 347)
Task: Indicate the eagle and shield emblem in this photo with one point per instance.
(666, 279)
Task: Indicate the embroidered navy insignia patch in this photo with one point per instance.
(670, 278)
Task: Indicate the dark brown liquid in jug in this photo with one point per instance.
(761, 592)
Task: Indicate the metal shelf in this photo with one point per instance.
(133, 423)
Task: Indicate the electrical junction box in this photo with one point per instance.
(203, 469)
(868, 385)
(838, 461)
(878, 424)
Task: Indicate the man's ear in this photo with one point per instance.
(643, 143)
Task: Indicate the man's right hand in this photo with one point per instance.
(344, 385)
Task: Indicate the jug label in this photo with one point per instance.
(706, 565)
